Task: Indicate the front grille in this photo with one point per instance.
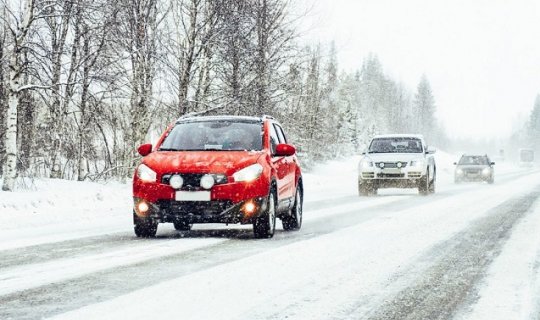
(472, 171)
(195, 207)
(390, 175)
(192, 181)
(391, 164)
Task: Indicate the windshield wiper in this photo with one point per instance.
(168, 149)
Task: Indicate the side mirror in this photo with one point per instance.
(455, 163)
(492, 164)
(285, 150)
(431, 150)
(364, 153)
(145, 149)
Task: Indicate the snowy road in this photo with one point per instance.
(471, 251)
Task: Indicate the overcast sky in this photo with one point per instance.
(482, 57)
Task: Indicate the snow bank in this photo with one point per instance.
(52, 201)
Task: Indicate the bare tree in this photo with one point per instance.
(19, 30)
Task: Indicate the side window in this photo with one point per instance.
(274, 140)
(280, 133)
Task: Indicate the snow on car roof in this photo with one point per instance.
(399, 135)
(217, 118)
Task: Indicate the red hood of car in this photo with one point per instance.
(225, 162)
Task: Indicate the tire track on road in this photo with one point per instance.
(461, 262)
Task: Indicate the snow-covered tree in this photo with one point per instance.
(424, 109)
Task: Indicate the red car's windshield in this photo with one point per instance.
(220, 135)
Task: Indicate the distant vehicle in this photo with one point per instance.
(474, 168)
(526, 157)
(397, 161)
(223, 169)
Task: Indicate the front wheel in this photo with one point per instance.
(294, 221)
(265, 225)
(144, 227)
(423, 185)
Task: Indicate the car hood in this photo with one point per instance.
(393, 157)
(474, 167)
(224, 162)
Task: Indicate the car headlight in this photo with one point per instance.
(366, 164)
(146, 174)
(459, 172)
(417, 163)
(486, 171)
(248, 174)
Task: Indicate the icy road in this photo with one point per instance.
(471, 251)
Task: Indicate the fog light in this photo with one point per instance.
(249, 207)
(143, 207)
(207, 181)
(176, 181)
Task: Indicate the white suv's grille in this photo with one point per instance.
(391, 164)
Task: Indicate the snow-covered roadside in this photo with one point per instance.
(52, 201)
(508, 292)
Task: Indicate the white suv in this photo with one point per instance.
(397, 161)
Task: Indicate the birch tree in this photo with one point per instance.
(19, 29)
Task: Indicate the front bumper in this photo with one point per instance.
(215, 211)
(390, 178)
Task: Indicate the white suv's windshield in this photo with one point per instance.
(223, 135)
(396, 145)
(474, 160)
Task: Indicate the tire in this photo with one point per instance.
(265, 225)
(431, 188)
(363, 190)
(294, 221)
(366, 190)
(423, 185)
(144, 228)
(182, 225)
(491, 180)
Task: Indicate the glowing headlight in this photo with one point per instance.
(146, 174)
(417, 163)
(176, 181)
(459, 172)
(248, 173)
(207, 181)
(486, 171)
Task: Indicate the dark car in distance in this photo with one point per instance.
(474, 168)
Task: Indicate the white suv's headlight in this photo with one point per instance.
(486, 171)
(248, 174)
(146, 174)
(366, 164)
(417, 163)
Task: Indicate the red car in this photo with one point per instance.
(222, 169)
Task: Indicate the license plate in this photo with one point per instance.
(392, 171)
(192, 195)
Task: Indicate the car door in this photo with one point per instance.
(279, 164)
(289, 165)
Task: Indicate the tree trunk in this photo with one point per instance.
(10, 165)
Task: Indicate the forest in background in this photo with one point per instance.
(84, 82)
